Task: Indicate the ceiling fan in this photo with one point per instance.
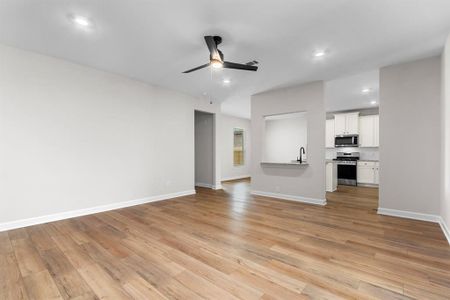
(216, 58)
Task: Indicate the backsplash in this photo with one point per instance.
(365, 153)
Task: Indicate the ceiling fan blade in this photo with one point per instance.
(197, 68)
(232, 65)
(212, 46)
(252, 63)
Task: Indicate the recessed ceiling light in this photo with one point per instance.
(226, 81)
(366, 90)
(319, 53)
(80, 21)
(373, 102)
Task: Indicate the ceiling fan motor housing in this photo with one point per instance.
(217, 39)
(216, 57)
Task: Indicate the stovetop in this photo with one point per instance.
(347, 156)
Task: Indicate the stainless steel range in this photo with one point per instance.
(347, 167)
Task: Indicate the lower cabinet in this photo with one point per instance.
(368, 172)
(331, 177)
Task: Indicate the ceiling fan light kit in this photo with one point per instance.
(215, 63)
(216, 58)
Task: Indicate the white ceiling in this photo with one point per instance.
(155, 40)
(346, 93)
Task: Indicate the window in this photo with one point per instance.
(238, 147)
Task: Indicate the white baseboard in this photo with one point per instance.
(368, 185)
(205, 185)
(408, 214)
(291, 197)
(417, 216)
(88, 211)
(209, 186)
(235, 177)
(445, 229)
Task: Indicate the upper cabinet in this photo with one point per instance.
(369, 131)
(345, 124)
(367, 127)
(352, 122)
(376, 125)
(329, 134)
(339, 124)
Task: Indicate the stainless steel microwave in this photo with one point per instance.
(346, 141)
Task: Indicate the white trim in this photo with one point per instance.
(408, 214)
(87, 211)
(417, 216)
(291, 197)
(209, 186)
(235, 177)
(204, 185)
(445, 229)
(369, 185)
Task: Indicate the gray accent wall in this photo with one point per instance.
(410, 146)
(301, 182)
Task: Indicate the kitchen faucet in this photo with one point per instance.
(299, 159)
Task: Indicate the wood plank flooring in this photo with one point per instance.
(229, 245)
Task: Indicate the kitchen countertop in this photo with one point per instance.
(288, 163)
(368, 160)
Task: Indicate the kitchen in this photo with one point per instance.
(352, 132)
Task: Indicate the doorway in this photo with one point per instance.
(352, 138)
(204, 124)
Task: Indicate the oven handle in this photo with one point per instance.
(346, 164)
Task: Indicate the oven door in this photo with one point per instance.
(346, 174)
(346, 141)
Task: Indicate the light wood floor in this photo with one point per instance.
(228, 245)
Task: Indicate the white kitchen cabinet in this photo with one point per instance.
(331, 177)
(368, 172)
(377, 130)
(368, 131)
(345, 124)
(340, 124)
(329, 134)
(352, 123)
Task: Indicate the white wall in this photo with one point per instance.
(445, 115)
(204, 149)
(284, 137)
(229, 170)
(75, 138)
(410, 136)
(297, 182)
